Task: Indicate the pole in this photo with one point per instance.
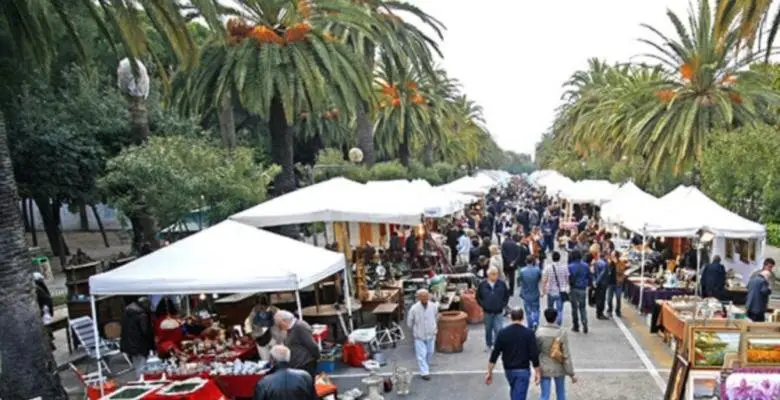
(298, 301)
(642, 270)
(314, 226)
(97, 343)
(698, 267)
(348, 296)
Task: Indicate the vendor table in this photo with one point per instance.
(232, 386)
(380, 296)
(651, 294)
(327, 315)
(209, 391)
(241, 353)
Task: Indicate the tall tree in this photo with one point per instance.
(26, 354)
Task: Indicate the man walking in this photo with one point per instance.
(423, 320)
(580, 277)
(510, 254)
(601, 272)
(530, 277)
(516, 344)
(137, 339)
(555, 285)
(492, 296)
(758, 290)
(304, 351)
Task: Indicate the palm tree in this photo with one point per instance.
(399, 44)
(28, 365)
(707, 87)
(281, 59)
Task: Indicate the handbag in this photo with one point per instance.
(564, 295)
(556, 350)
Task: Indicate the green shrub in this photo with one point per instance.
(773, 233)
(389, 170)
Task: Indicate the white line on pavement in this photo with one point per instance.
(499, 371)
(642, 355)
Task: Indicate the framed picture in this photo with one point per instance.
(760, 350)
(678, 378)
(708, 346)
(703, 385)
(751, 383)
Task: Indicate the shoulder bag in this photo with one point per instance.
(564, 295)
(556, 350)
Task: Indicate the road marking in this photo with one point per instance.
(500, 371)
(642, 355)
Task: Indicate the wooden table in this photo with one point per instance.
(378, 297)
(398, 284)
(326, 314)
(59, 320)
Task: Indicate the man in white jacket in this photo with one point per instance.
(423, 320)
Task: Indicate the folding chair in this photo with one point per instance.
(83, 330)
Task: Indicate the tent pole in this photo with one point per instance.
(698, 268)
(642, 271)
(298, 301)
(97, 344)
(348, 298)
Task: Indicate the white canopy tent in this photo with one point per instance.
(538, 174)
(216, 260)
(627, 201)
(477, 186)
(554, 183)
(590, 191)
(334, 200)
(433, 202)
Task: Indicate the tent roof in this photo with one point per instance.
(434, 202)
(470, 185)
(627, 202)
(688, 210)
(554, 183)
(334, 200)
(222, 259)
(590, 191)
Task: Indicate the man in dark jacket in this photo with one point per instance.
(580, 279)
(304, 351)
(493, 296)
(285, 382)
(511, 255)
(137, 338)
(601, 281)
(713, 280)
(758, 290)
(452, 242)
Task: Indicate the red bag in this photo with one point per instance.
(354, 354)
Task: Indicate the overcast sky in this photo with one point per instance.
(513, 56)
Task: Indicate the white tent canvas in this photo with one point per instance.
(469, 185)
(688, 210)
(590, 191)
(222, 259)
(434, 203)
(555, 183)
(627, 201)
(334, 200)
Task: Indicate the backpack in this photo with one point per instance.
(556, 350)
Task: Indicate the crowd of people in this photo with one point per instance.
(520, 241)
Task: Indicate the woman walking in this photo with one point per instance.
(554, 356)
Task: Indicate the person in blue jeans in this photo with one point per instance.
(555, 285)
(516, 344)
(554, 369)
(530, 277)
(493, 296)
(580, 279)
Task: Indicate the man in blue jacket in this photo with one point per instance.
(581, 279)
(493, 296)
(601, 274)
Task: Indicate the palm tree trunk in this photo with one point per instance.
(28, 368)
(403, 148)
(144, 226)
(227, 124)
(100, 225)
(282, 155)
(33, 229)
(365, 127)
(365, 135)
(428, 154)
(49, 212)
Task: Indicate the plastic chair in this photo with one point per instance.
(83, 330)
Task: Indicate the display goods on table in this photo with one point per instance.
(680, 312)
(751, 384)
(761, 350)
(709, 345)
(134, 392)
(217, 349)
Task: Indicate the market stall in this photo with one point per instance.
(219, 260)
(472, 185)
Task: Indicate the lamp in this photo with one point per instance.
(355, 155)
